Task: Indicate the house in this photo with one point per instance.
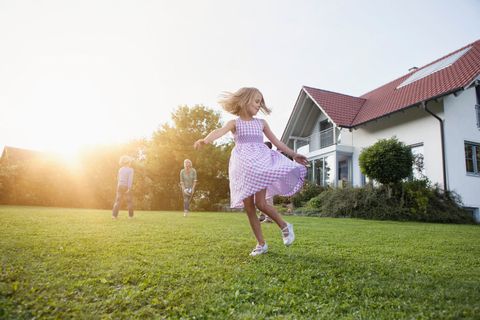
(13, 155)
(434, 109)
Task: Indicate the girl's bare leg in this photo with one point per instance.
(252, 218)
(269, 210)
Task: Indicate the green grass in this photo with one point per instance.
(75, 263)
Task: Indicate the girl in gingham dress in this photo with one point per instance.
(256, 172)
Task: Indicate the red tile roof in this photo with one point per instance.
(339, 107)
(348, 111)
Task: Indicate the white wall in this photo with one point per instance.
(461, 126)
(411, 127)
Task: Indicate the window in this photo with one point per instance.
(310, 171)
(322, 171)
(477, 110)
(472, 158)
(418, 170)
(326, 134)
(477, 106)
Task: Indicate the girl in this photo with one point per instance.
(255, 171)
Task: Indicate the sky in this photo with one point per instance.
(78, 73)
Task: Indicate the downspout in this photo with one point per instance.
(442, 137)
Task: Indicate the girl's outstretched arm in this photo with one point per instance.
(215, 134)
(282, 146)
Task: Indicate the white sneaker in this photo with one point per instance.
(290, 237)
(258, 250)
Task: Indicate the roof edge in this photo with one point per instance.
(453, 91)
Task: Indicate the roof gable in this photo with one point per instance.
(341, 108)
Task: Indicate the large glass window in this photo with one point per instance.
(319, 169)
(323, 175)
(472, 157)
(329, 175)
(418, 170)
(310, 171)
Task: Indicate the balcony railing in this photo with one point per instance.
(319, 140)
(323, 139)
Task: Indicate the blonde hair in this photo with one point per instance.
(124, 160)
(235, 102)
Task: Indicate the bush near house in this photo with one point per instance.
(308, 191)
(412, 201)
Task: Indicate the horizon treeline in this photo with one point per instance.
(43, 180)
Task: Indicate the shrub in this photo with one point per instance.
(432, 204)
(308, 191)
(418, 201)
(388, 161)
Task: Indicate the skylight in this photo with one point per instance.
(437, 66)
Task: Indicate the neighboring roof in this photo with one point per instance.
(12, 154)
(404, 92)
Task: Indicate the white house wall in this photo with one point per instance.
(412, 126)
(461, 126)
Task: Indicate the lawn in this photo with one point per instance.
(76, 263)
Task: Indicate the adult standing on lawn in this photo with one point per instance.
(188, 180)
(124, 186)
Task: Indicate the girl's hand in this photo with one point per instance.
(198, 144)
(300, 159)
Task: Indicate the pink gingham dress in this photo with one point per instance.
(254, 167)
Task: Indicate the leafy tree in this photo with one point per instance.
(96, 179)
(388, 161)
(171, 144)
(44, 180)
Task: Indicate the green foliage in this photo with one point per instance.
(388, 161)
(171, 145)
(413, 201)
(48, 181)
(308, 191)
(432, 204)
(79, 264)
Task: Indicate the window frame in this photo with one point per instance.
(475, 160)
(418, 174)
(477, 106)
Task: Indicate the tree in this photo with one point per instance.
(388, 161)
(171, 144)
